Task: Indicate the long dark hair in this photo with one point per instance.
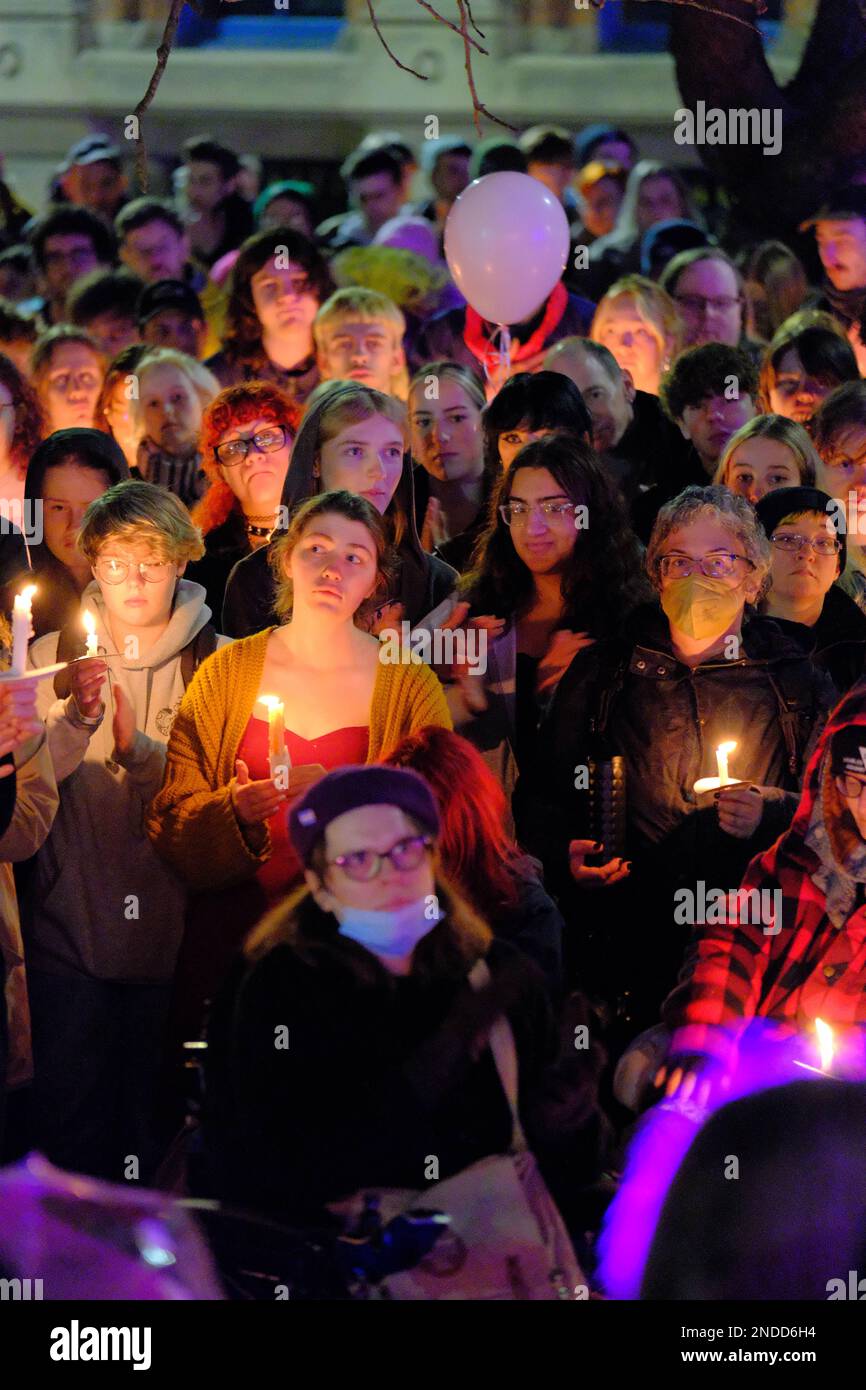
(604, 580)
(30, 425)
(243, 332)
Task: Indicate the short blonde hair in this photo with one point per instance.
(135, 512)
(784, 431)
(357, 303)
(203, 382)
(653, 304)
(715, 503)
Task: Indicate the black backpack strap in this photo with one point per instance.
(608, 686)
(195, 652)
(70, 644)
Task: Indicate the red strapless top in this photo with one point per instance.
(283, 871)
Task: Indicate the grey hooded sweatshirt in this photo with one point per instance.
(104, 904)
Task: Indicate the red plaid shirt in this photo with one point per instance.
(808, 968)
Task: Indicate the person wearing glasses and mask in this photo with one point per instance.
(698, 669)
(804, 599)
(106, 916)
(247, 434)
(388, 983)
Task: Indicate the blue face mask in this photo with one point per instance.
(394, 934)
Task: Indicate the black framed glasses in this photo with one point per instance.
(850, 787)
(720, 565)
(112, 571)
(793, 544)
(233, 451)
(362, 865)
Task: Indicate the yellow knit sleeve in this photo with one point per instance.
(191, 820)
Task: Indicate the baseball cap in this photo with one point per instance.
(91, 150)
(168, 294)
(845, 204)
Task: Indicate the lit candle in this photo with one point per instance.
(711, 784)
(826, 1049)
(278, 753)
(22, 629)
(90, 629)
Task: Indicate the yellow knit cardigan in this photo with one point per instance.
(191, 820)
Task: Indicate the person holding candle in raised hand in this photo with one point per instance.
(811, 962)
(219, 819)
(106, 916)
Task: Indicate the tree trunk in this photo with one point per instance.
(823, 108)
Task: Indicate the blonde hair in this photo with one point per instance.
(202, 381)
(653, 304)
(356, 302)
(784, 431)
(136, 512)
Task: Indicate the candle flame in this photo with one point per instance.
(724, 749)
(89, 624)
(270, 701)
(826, 1044)
(27, 594)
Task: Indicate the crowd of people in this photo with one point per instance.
(382, 665)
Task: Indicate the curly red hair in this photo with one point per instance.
(235, 405)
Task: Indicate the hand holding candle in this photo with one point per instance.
(711, 784)
(278, 753)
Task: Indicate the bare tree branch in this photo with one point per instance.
(162, 53)
(478, 107)
(425, 5)
(391, 54)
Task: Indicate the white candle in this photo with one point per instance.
(278, 753)
(22, 629)
(90, 629)
(711, 784)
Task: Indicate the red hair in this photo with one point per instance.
(235, 405)
(477, 855)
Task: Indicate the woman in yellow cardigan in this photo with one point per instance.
(220, 817)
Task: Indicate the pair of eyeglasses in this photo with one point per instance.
(115, 571)
(850, 787)
(81, 381)
(793, 545)
(233, 451)
(365, 864)
(518, 513)
(697, 303)
(721, 565)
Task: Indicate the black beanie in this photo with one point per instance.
(788, 501)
